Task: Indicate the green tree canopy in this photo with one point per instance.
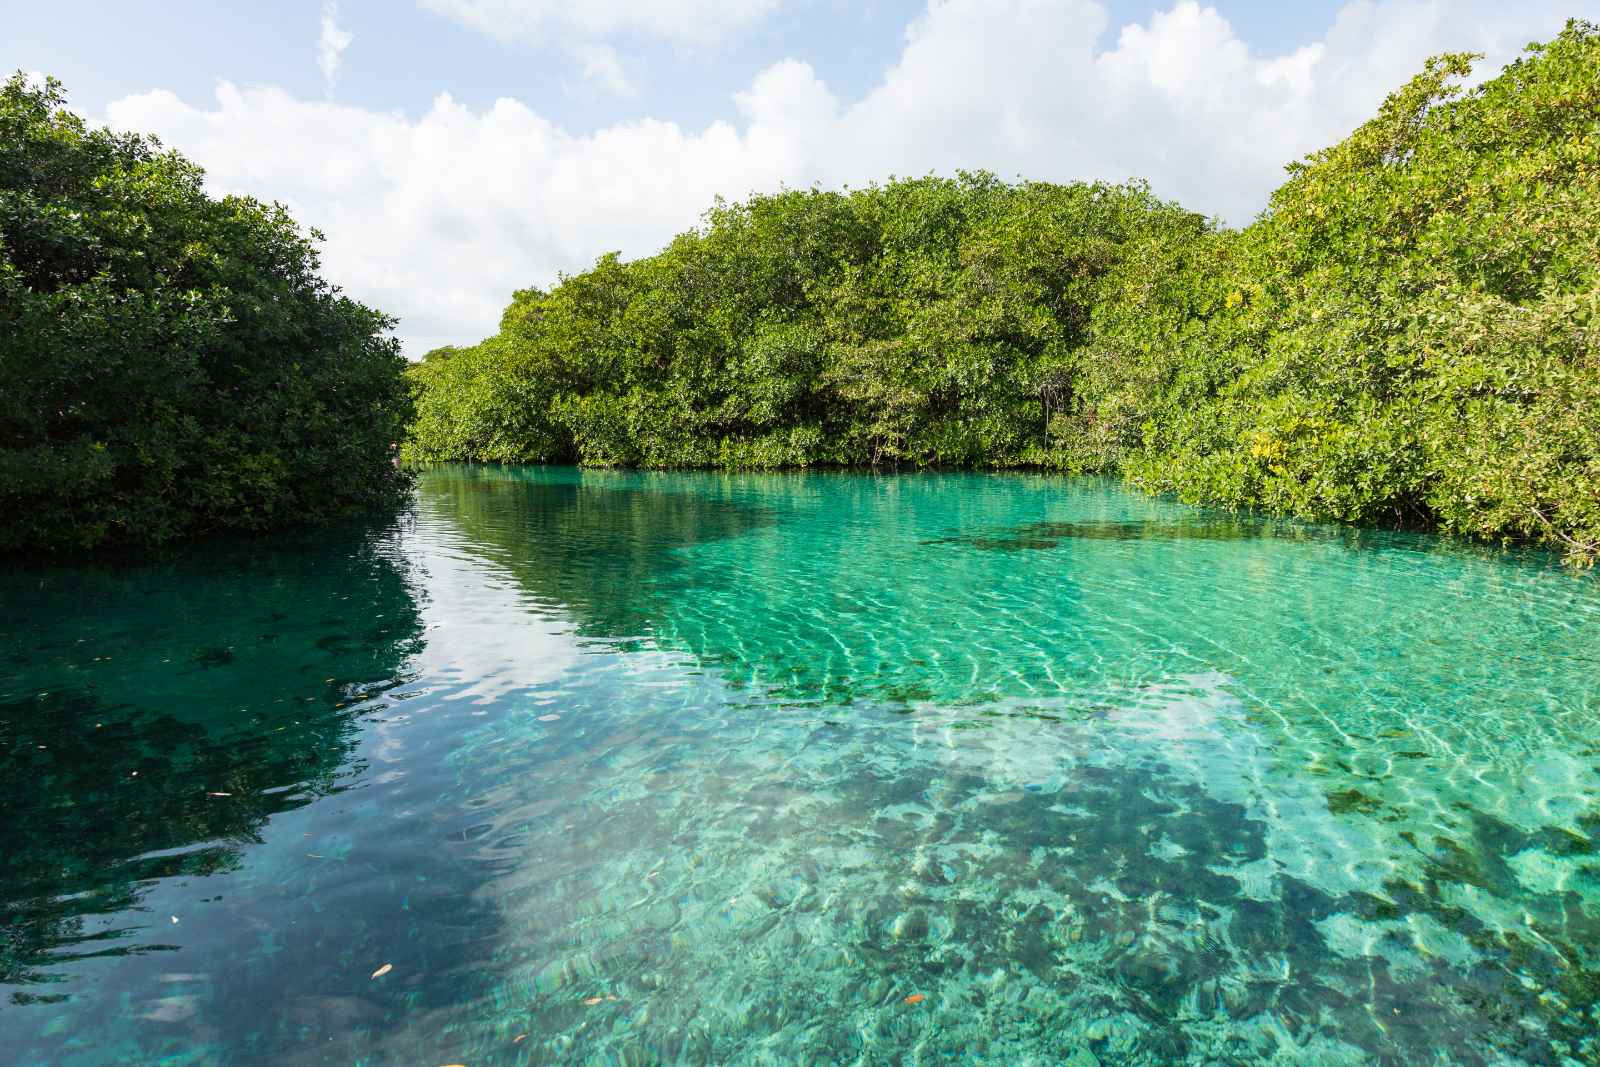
(1409, 332)
(920, 322)
(172, 363)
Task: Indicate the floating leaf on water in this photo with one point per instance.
(381, 971)
(519, 1038)
(916, 998)
(592, 1001)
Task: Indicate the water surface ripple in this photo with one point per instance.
(622, 768)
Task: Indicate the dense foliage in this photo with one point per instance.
(1407, 335)
(924, 322)
(172, 363)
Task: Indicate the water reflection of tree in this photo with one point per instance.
(155, 717)
(596, 544)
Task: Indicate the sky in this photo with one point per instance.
(453, 151)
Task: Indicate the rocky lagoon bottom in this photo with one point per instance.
(614, 768)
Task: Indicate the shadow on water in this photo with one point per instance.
(1092, 886)
(1045, 535)
(155, 716)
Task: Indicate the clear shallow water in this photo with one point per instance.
(707, 769)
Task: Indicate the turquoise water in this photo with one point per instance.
(615, 768)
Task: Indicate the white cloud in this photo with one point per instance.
(600, 66)
(331, 44)
(437, 218)
(688, 21)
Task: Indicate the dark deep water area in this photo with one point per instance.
(628, 768)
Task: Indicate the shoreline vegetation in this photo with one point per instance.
(1407, 335)
(173, 364)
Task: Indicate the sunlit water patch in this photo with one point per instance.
(631, 769)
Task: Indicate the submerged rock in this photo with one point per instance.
(910, 926)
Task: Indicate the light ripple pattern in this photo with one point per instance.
(632, 768)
